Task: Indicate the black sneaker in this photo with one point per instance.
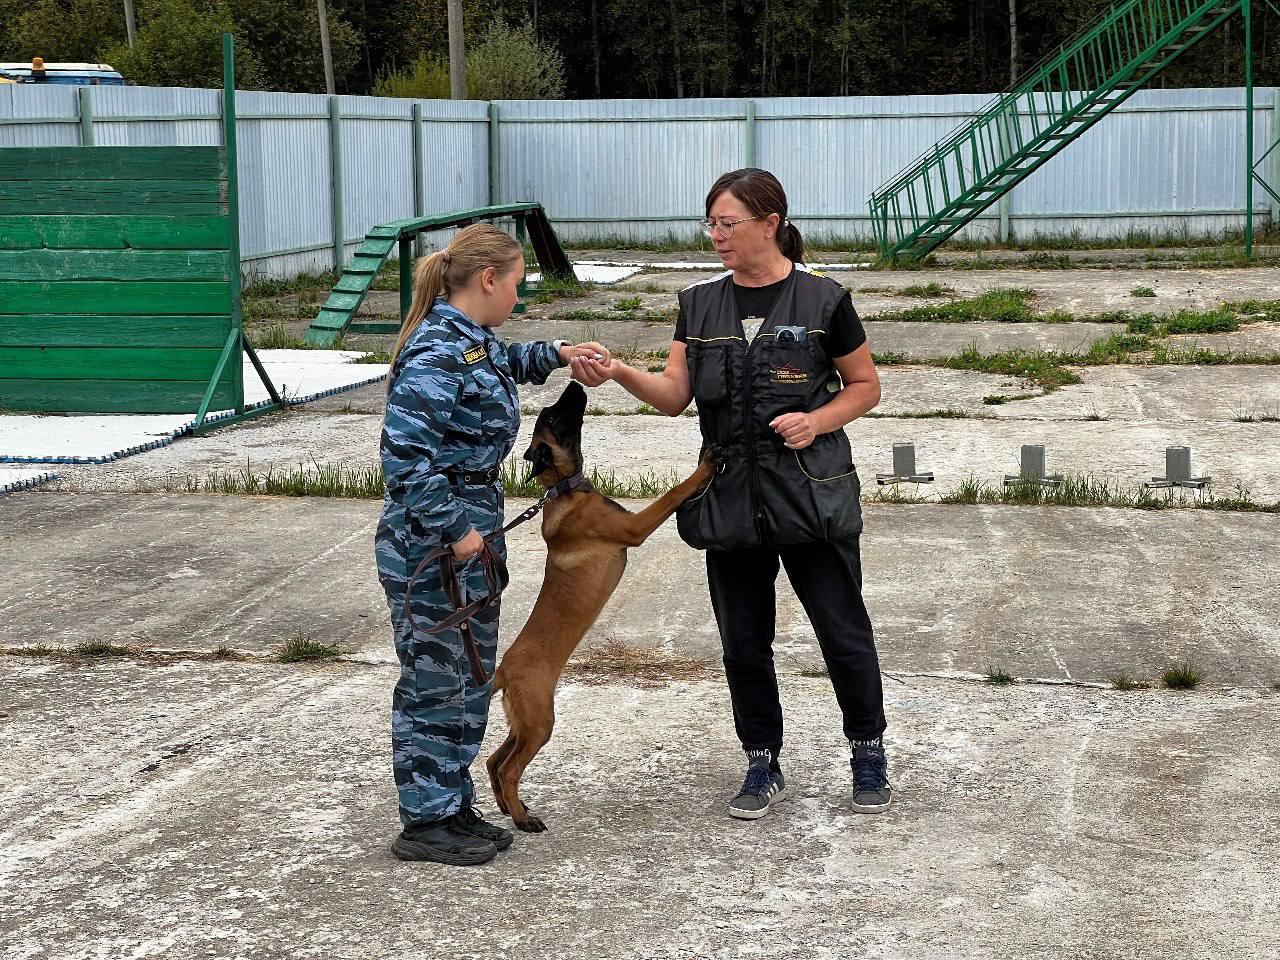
(871, 790)
(761, 788)
(468, 820)
(443, 842)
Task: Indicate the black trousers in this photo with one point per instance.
(827, 577)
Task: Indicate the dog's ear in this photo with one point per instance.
(542, 458)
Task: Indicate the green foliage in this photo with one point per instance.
(1142, 292)
(180, 45)
(1182, 676)
(507, 63)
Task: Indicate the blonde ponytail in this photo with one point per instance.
(473, 249)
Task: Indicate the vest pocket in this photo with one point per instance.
(709, 375)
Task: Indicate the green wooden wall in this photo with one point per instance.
(119, 289)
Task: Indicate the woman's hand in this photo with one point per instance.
(591, 372)
(468, 547)
(590, 349)
(796, 429)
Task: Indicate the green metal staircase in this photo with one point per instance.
(1018, 132)
(337, 314)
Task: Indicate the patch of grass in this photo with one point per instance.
(1182, 676)
(377, 356)
(1201, 356)
(318, 480)
(1042, 368)
(276, 337)
(1122, 681)
(890, 359)
(223, 652)
(100, 650)
(999, 399)
(628, 304)
(894, 493)
(1192, 321)
(1142, 292)
(875, 290)
(1001, 305)
(615, 659)
(34, 650)
(301, 648)
(814, 672)
(1086, 490)
(941, 413)
(1255, 311)
(266, 287)
(933, 289)
(1043, 260)
(552, 288)
(999, 677)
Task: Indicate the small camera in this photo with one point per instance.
(791, 334)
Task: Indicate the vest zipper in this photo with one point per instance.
(749, 428)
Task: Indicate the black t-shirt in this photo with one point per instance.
(845, 333)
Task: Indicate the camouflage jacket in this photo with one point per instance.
(453, 405)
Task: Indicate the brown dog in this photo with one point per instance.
(587, 538)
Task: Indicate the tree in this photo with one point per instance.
(180, 45)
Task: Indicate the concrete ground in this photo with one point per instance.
(244, 810)
(187, 800)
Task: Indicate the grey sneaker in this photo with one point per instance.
(871, 790)
(761, 788)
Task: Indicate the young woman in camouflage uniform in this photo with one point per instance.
(452, 418)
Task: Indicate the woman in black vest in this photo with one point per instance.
(778, 363)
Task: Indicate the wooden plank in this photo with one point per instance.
(113, 163)
(336, 301)
(111, 396)
(107, 363)
(115, 232)
(170, 197)
(41, 330)
(91, 192)
(114, 265)
(359, 283)
(114, 297)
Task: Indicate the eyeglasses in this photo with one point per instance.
(724, 226)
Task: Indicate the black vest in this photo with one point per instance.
(766, 494)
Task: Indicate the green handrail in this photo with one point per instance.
(336, 314)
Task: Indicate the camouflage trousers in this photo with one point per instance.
(438, 709)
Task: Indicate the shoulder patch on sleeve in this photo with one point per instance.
(475, 354)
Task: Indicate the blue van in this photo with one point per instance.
(77, 74)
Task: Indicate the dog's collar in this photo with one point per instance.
(566, 486)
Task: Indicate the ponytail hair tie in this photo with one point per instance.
(446, 258)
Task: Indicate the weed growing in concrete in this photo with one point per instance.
(1182, 676)
(1122, 681)
(552, 288)
(999, 677)
(941, 413)
(99, 650)
(378, 356)
(821, 671)
(1192, 321)
(1199, 356)
(1043, 368)
(999, 399)
(1142, 292)
(34, 650)
(276, 337)
(320, 480)
(1001, 305)
(1084, 490)
(1255, 311)
(627, 304)
(615, 659)
(301, 648)
(890, 359)
(926, 290)
(876, 290)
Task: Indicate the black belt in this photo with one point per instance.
(473, 478)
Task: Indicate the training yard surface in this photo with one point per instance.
(231, 810)
(189, 795)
